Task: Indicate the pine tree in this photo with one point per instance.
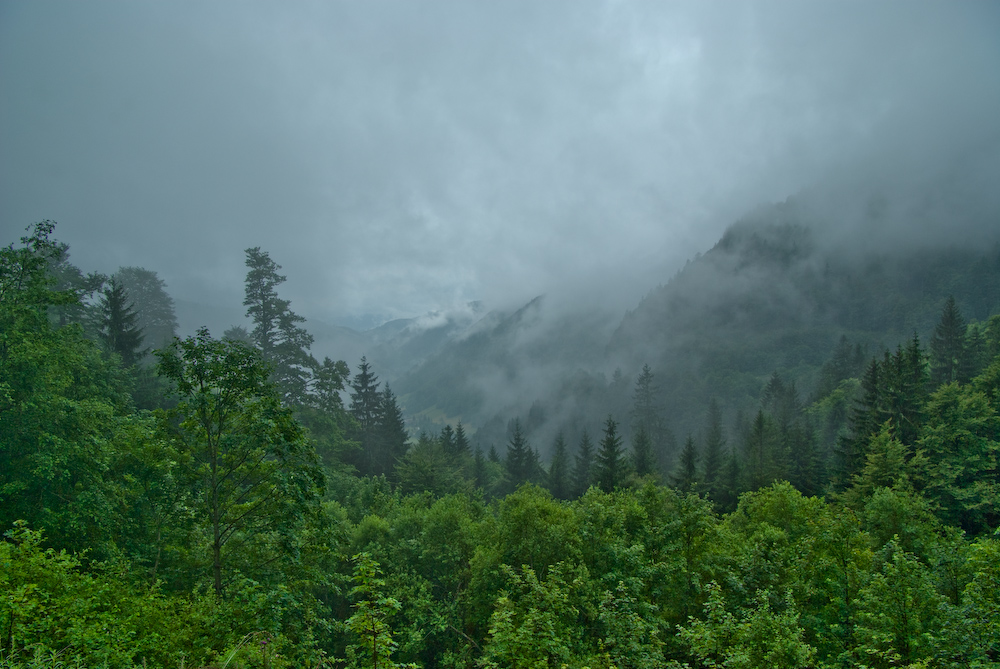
(686, 475)
(558, 478)
(479, 469)
(645, 414)
(462, 447)
(583, 466)
(715, 443)
(276, 332)
(948, 345)
(447, 440)
(392, 437)
(643, 462)
(610, 462)
(759, 451)
(119, 329)
(366, 407)
(153, 306)
(520, 461)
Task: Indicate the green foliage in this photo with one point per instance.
(759, 636)
(368, 624)
(252, 472)
(610, 464)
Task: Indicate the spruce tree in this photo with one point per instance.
(392, 437)
(558, 478)
(366, 407)
(948, 345)
(583, 466)
(276, 332)
(153, 306)
(686, 475)
(610, 465)
(643, 462)
(715, 443)
(119, 328)
(462, 447)
(520, 460)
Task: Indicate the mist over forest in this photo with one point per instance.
(446, 334)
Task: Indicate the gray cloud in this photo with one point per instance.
(401, 157)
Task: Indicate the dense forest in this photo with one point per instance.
(231, 501)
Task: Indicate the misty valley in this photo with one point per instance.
(786, 455)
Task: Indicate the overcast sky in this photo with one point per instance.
(397, 157)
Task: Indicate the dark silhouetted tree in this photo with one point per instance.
(610, 463)
(686, 476)
(948, 345)
(643, 461)
(282, 342)
(119, 328)
(154, 308)
(583, 466)
(559, 479)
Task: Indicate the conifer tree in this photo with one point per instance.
(643, 462)
(715, 442)
(276, 333)
(610, 464)
(462, 447)
(479, 469)
(521, 459)
(686, 475)
(392, 437)
(558, 479)
(119, 329)
(447, 440)
(153, 306)
(583, 466)
(948, 345)
(366, 407)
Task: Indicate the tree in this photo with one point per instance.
(154, 308)
(583, 466)
(392, 435)
(119, 329)
(645, 407)
(715, 443)
(687, 469)
(366, 407)
(276, 332)
(558, 479)
(521, 461)
(610, 462)
(369, 623)
(253, 473)
(948, 345)
(643, 462)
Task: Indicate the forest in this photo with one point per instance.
(230, 501)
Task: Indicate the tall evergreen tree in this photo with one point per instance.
(276, 333)
(366, 407)
(948, 345)
(759, 449)
(154, 308)
(610, 463)
(447, 441)
(119, 328)
(645, 415)
(686, 475)
(715, 443)
(583, 466)
(558, 479)
(643, 461)
(521, 460)
(462, 446)
(392, 437)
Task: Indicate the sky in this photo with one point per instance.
(400, 157)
